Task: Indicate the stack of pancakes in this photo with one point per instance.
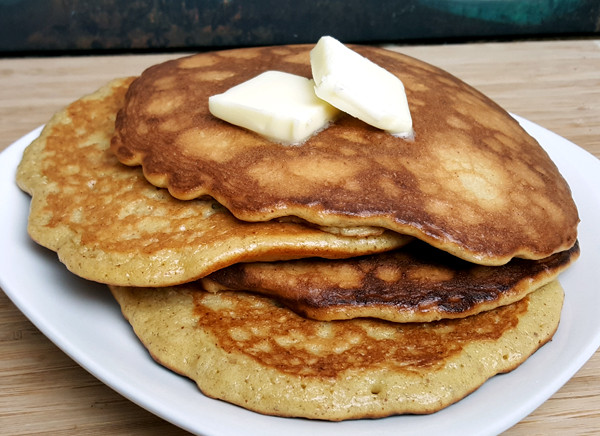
(355, 275)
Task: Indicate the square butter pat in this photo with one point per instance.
(280, 106)
(359, 87)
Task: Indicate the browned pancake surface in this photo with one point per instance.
(416, 283)
(109, 224)
(473, 182)
(250, 351)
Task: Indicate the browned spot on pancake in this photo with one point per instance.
(197, 62)
(281, 51)
(417, 283)
(299, 58)
(479, 188)
(164, 104)
(353, 137)
(243, 326)
(165, 83)
(172, 125)
(108, 224)
(142, 129)
(388, 273)
(213, 75)
(323, 171)
(196, 141)
(460, 185)
(238, 54)
(433, 275)
(458, 123)
(250, 351)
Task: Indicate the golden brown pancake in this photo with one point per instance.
(416, 283)
(108, 224)
(250, 351)
(472, 182)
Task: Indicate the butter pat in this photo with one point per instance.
(359, 87)
(281, 106)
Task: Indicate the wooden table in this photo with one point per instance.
(553, 83)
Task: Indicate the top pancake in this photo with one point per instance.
(472, 183)
(108, 224)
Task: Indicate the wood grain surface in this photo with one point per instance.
(555, 84)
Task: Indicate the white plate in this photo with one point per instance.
(85, 322)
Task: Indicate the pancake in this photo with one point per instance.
(250, 351)
(108, 224)
(472, 183)
(416, 283)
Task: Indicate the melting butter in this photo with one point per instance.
(280, 106)
(359, 87)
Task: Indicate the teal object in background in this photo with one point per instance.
(58, 26)
(517, 12)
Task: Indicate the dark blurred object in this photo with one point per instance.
(82, 25)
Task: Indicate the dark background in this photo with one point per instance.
(50, 26)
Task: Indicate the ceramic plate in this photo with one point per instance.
(83, 320)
